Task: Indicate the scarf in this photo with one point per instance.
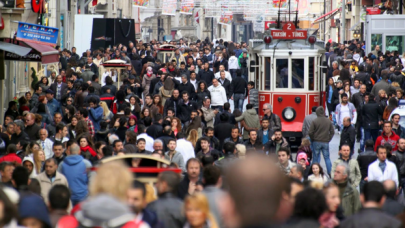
(149, 71)
(382, 166)
(171, 70)
(88, 148)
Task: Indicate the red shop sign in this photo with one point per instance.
(373, 10)
(289, 32)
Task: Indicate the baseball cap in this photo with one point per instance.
(49, 91)
(303, 156)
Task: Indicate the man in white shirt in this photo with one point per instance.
(345, 109)
(45, 143)
(143, 135)
(382, 169)
(218, 95)
(227, 74)
(184, 147)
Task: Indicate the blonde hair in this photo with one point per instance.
(395, 84)
(200, 201)
(106, 110)
(381, 92)
(193, 137)
(37, 161)
(113, 178)
(241, 149)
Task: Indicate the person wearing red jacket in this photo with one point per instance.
(387, 136)
(11, 155)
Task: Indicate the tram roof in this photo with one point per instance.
(287, 45)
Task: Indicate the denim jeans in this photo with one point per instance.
(362, 139)
(370, 134)
(233, 73)
(316, 157)
(238, 99)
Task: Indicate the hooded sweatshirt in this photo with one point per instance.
(104, 209)
(75, 171)
(321, 129)
(218, 95)
(34, 170)
(33, 206)
(392, 140)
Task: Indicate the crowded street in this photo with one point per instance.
(201, 114)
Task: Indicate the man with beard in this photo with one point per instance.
(189, 183)
(172, 102)
(275, 143)
(396, 127)
(235, 136)
(345, 109)
(137, 201)
(206, 150)
(185, 107)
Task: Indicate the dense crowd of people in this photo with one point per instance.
(230, 168)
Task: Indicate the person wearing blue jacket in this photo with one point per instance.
(95, 113)
(53, 104)
(74, 167)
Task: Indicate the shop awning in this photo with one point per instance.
(48, 54)
(326, 16)
(15, 49)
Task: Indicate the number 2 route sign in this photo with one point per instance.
(289, 32)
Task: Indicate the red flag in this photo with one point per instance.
(197, 18)
(94, 3)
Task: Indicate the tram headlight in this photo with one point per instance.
(289, 114)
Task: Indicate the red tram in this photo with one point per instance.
(286, 67)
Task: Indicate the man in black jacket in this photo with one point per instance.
(173, 103)
(223, 129)
(365, 159)
(206, 75)
(19, 134)
(227, 111)
(154, 81)
(185, 107)
(253, 142)
(185, 85)
(348, 135)
(362, 76)
(92, 65)
(155, 130)
(239, 89)
(372, 115)
(391, 205)
(358, 102)
(400, 153)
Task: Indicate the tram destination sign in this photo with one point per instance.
(289, 32)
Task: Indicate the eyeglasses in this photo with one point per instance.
(70, 100)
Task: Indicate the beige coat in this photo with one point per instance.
(209, 116)
(46, 183)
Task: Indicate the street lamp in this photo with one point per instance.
(356, 34)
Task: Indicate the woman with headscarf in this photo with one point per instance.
(147, 78)
(166, 90)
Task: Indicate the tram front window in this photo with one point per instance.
(282, 73)
(297, 71)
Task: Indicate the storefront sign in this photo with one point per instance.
(37, 33)
(32, 56)
(289, 32)
(373, 10)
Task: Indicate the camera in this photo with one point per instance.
(290, 52)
